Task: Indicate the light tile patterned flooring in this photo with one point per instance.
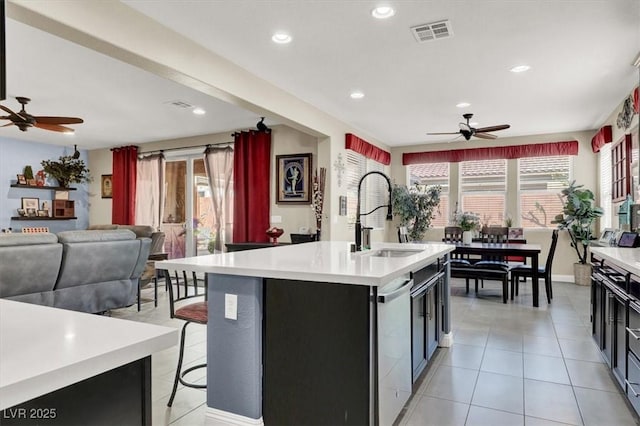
(510, 365)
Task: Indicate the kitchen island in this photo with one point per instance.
(313, 333)
(61, 367)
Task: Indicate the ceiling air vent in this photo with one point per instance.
(179, 104)
(432, 31)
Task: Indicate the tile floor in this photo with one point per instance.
(510, 365)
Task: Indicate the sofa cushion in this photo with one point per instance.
(7, 240)
(141, 231)
(29, 264)
(95, 235)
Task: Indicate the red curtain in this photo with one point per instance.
(495, 153)
(602, 137)
(365, 148)
(123, 205)
(251, 174)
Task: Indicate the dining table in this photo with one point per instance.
(531, 251)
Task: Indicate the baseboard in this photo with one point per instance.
(215, 417)
(563, 278)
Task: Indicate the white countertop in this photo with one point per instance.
(323, 261)
(624, 257)
(43, 349)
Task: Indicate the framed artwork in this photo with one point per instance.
(22, 180)
(30, 203)
(293, 183)
(107, 186)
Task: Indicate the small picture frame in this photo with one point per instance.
(30, 204)
(293, 179)
(21, 180)
(61, 195)
(21, 212)
(43, 213)
(31, 212)
(107, 186)
(608, 234)
(516, 234)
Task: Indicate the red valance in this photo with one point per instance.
(494, 153)
(365, 148)
(603, 136)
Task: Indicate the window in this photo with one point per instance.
(374, 191)
(605, 186)
(621, 169)
(483, 187)
(432, 174)
(540, 181)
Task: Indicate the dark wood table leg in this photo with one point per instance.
(534, 279)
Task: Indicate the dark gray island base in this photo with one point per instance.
(308, 352)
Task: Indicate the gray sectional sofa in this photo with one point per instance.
(89, 271)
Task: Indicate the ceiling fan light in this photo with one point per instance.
(383, 12)
(199, 111)
(463, 105)
(520, 68)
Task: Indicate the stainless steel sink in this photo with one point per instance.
(390, 252)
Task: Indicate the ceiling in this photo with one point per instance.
(580, 53)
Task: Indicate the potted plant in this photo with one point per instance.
(415, 206)
(67, 170)
(27, 171)
(468, 222)
(578, 215)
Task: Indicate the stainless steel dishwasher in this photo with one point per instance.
(394, 348)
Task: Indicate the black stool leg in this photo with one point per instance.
(175, 382)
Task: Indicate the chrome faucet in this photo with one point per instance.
(389, 210)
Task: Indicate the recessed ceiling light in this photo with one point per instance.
(520, 68)
(357, 95)
(383, 12)
(199, 111)
(463, 104)
(281, 38)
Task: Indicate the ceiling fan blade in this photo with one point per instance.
(449, 133)
(492, 128)
(58, 120)
(8, 124)
(54, 127)
(4, 108)
(484, 135)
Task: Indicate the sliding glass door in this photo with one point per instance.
(188, 220)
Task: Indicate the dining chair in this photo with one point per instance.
(188, 304)
(403, 234)
(526, 271)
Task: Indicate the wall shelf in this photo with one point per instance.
(57, 188)
(41, 218)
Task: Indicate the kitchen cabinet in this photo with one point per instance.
(615, 315)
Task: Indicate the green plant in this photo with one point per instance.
(468, 221)
(508, 221)
(578, 215)
(27, 172)
(67, 170)
(415, 206)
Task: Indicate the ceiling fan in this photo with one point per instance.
(481, 132)
(24, 120)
